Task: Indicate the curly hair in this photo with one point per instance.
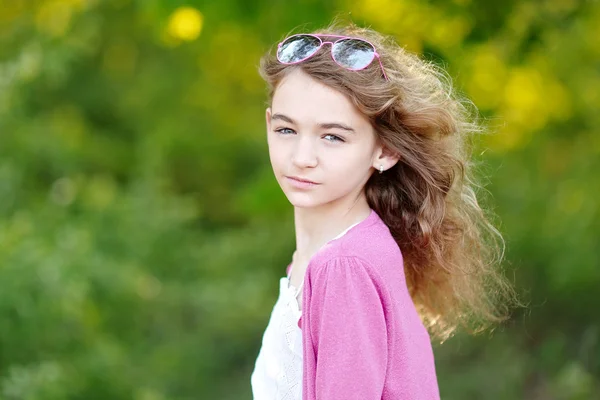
(451, 250)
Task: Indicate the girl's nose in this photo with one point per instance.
(304, 153)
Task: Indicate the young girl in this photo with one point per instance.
(367, 142)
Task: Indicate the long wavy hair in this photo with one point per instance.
(451, 250)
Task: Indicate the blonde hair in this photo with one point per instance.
(451, 250)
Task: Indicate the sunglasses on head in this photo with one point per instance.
(348, 52)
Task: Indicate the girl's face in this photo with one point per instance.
(315, 133)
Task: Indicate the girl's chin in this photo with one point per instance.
(303, 201)
(304, 204)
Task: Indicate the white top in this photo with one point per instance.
(277, 372)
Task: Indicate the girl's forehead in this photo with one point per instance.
(299, 80)
(300, 96)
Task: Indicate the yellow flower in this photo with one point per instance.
(185, 23)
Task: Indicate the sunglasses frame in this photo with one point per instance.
(340, 38)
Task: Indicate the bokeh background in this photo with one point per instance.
(142, 233)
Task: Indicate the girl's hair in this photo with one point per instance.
(427, 199)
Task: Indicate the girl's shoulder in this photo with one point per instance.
(369, 244)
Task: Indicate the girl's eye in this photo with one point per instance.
(334, 138)
(280, 130)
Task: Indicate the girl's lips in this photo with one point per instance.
(302, 180)
(300, 184)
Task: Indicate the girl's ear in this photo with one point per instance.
(387, 157)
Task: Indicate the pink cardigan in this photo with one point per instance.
(362, 337)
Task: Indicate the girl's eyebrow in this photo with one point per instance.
(324, 125)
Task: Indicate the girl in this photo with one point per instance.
(367, 142)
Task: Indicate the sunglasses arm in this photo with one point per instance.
(381, 65)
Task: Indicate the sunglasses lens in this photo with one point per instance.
(297, 48)
(353, 53)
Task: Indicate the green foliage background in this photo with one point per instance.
(142, 232)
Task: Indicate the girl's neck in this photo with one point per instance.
(314, 228)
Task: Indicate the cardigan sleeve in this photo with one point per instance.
(348, 330)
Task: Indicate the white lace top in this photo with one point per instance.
(277, 372)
